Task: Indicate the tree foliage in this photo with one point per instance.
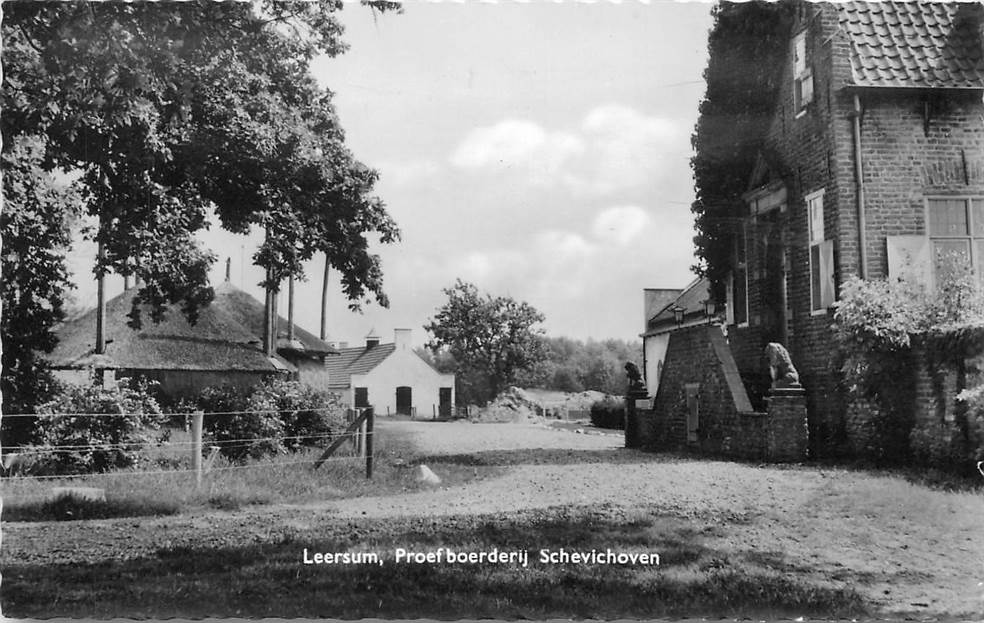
(492, 339)
(575, 366)
(165, 113)
(747, 43)
(35, 224)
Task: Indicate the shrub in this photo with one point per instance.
(309, 416)
(277, 416)
(130, 419)
(608, 412)
(238, 427)
(878, 324)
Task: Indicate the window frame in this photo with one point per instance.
(802, 73)
(741, 239)
(817, 239)
(976, 258)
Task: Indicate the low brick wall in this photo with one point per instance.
(702, 406)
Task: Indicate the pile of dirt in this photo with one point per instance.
(512, 405)
(518, 405)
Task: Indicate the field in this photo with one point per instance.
(734, 540)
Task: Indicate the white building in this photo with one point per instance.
(391, 378)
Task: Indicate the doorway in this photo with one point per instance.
(404, 400)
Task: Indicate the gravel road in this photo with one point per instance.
(550, 467)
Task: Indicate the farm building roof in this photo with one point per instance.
(358, 360)
(691, 299)
(227, 336)
(915, 44)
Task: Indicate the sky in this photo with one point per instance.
(538, 150)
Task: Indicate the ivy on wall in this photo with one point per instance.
(746, 44)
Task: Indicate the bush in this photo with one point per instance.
(236, 426)
(608, 413)
(131, 418)
(277, 416)
(310, 417)
(879, 322)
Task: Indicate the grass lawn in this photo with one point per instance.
(269, 578)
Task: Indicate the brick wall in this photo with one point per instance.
(727, 425)
(696, 355)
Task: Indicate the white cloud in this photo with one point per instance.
(630, 149)
(620, 225)
(519, 145)
(615, 148)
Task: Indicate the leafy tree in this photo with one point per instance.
(167, 111)
(491, 338)
(35, 224)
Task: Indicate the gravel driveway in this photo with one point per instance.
(550, 467)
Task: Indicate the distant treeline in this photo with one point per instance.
(575, 366)
(569, 365)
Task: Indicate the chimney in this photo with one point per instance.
(228, 269)
(372, 339)
(402, 339)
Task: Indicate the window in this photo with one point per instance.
(738, 310)
(956, 235)
(821, 257)
(802, 74)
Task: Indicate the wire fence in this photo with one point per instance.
(17, 465)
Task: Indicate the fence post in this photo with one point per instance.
(196, 445)
(369, 426)
(434, 411)
(362, 435)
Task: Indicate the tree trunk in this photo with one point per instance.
(101, 306)
(324, 301)
(290, 309)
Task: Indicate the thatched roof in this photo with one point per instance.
(226, 337)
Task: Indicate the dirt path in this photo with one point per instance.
(913, 550)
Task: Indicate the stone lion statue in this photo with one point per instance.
(635, 377)
(781, 366)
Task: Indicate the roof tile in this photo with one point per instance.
(915, 43)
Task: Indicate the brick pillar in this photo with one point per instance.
(632, 436)
(786, 429)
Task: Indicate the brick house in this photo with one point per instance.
(871, 163)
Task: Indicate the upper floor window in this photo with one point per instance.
(956, 234)
(822, 290)
(802, 74)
